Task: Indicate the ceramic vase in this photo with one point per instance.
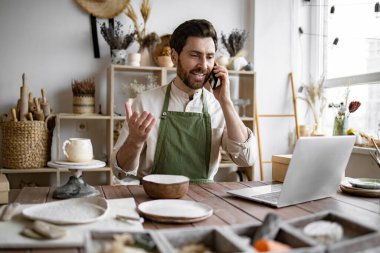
(134, 59)
(118, 56)
(146, 58)
(165, 61)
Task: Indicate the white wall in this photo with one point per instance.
(50, 40)
(274, 60)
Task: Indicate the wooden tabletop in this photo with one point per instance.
(227, 209)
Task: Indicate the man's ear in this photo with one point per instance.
(174, 55)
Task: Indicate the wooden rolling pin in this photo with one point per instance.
(38, 113)
(14, 115)
(30, 102)
(44, 104)
(24, 106)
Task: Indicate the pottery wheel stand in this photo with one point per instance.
(75, 187)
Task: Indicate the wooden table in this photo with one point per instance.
(227, 209)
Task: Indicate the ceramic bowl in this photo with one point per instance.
(159, 186)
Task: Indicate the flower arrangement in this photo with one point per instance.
(315, 97)
(145, 40)
(234, 45)
(134, 88)
(114, 36)
(341, 108)
(343, 111)
(235, 41)
(83, 88)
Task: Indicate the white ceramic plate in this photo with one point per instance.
(366, 183)
(346, 187)
(175, 210)
(66, 164)
(70, 211)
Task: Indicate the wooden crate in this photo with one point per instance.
(357, 237)
(280, 165)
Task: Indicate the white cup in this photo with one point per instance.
(78, 150)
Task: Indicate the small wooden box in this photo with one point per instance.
(4, 189)
(280, 165)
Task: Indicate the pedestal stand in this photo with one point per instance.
(76, 187)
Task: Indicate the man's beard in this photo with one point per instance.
(185, 77)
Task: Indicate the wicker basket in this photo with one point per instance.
(83, 104)
(25, 144)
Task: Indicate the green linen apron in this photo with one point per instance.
(184, 143)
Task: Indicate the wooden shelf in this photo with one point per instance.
(57, 171)
(246, 90)
(73, 116)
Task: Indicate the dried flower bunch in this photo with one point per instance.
(166, 51)
(115, 37)
(342, 111)
(235, 41)
(145, 40)
(314, 96)
(84, 88)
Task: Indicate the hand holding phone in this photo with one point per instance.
(214, 80)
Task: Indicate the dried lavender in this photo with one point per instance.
(115, 37)
(235, 41)
(83, 88)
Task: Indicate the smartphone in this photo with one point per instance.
(214, 81)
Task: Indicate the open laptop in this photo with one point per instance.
(314, 172)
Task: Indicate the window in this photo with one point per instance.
(351, 56)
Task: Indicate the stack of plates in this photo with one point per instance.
(175, 210)
(367, 187)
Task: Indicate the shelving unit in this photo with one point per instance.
(116, 74)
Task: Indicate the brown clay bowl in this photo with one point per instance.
(159, 186)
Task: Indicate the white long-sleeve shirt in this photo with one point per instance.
(243, 154)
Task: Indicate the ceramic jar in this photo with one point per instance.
(118, 56)
(134, 59)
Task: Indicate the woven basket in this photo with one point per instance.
(83, 105)
(25, 144)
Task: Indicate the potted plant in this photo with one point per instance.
(314, 96)
(234, 45)
(117, 41)
(146, 40)
(83, 96)
(343, 111)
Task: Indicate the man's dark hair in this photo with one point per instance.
(192, 28)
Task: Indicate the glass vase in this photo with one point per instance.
(340, 125)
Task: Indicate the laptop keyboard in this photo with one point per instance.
(271, 197)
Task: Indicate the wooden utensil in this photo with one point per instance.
(44, 104)
(14, 114)
(24, 105)
(38, 113)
